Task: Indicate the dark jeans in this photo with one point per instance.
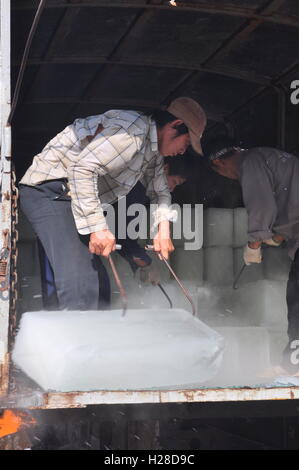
(78, 273)
(290, 356)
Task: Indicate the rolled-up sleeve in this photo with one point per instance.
(109, 152)
(259, 199)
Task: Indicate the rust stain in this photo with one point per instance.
(189, 395)
(12, 422)
(292, 394)
(4, 374)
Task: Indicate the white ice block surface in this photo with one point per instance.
(262, 303)
(278, 341)
(188, 265)
(218, 227)
(187, 231)
(218, 265)
(240, 224)
(246, 353)
(100, 350)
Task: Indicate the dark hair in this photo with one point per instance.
(162, 117)
(181, 165)
(221, 146)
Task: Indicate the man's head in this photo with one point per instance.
(177, 170)
(180, 125)
(222, 154)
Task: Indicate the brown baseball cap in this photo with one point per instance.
(193, 116)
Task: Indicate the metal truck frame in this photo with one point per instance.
(37, 400)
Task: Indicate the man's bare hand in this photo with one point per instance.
(162, 241)
(102, 243)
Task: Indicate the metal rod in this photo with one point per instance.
(161, 257)
(180, 284)
(238, 276)
(120, 286)
(165, 293)
(34, 25)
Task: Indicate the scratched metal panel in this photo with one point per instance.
(21, 21)
(62, 81)
(269, 50)
(218, 94)
(257, 124)
(95, 32)
(136, 83)
(238, 3)
(180, 37)
(290, 7)
(292, 119)
(43, 117)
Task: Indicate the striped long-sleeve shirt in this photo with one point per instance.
(103, 157)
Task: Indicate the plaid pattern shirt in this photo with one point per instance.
(103, 157)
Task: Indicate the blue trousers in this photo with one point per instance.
(72, 278)
(79, 275)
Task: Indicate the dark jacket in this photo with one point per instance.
(270, 187)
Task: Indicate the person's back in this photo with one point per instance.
(66, 147)
(269, 179)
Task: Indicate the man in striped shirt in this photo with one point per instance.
(98, 160)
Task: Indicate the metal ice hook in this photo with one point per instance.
(118, 282)
(183, 288)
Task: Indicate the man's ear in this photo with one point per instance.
(176, 123)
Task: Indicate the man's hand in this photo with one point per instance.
(162, 241)
(102, 243)
(276, 240)
(252, 253)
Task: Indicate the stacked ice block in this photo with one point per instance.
(259, 300)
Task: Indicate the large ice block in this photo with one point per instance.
(187, 231)
(100, 350)
(218, 227)
(262, 303)
(246, 353)
(240, 237)
(278, 341)
(218, 265)
(188, 265)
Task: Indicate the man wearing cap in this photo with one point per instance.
(92, 162)
(269, 180)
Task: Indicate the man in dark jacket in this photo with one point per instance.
(269, 180)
